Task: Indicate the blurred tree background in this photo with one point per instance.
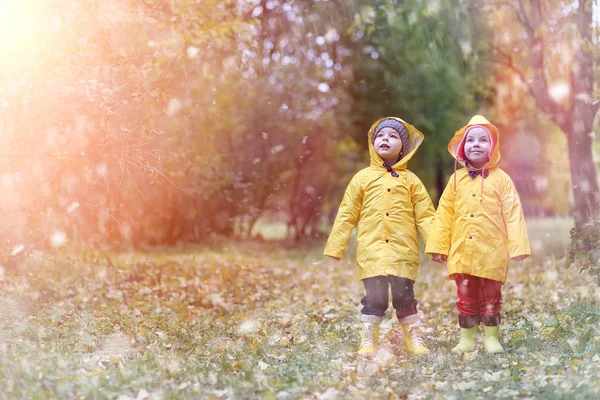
(155, 122)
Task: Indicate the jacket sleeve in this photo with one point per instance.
(346, 219)
(422, 208)
(512, 213)
(439, 239)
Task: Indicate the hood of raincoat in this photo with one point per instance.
(415, 138)
(456, 146)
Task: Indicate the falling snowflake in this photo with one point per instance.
(559, 91)
(72, 207)
(17, 249)
(58, 238)
(192, 52)
(277, 149)
(257, 11)
(323, 87)
(173, 107)
(332, 35)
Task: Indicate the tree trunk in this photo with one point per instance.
(576, 120)
(584, 180)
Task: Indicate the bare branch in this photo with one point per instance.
(136, 186)
(168, 180)
(524, 20)
(537, 88)
(122, 171)
(100, 210)
(509, 63)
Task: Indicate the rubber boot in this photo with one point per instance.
(370, 338)
(467, 340)
(491, 344)
(412, 338)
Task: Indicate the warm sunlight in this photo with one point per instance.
(20, 25)
(255, 199)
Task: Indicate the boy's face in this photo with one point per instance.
(477, 147)
(388, 144)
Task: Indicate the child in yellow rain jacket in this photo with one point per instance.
(478, 226)
(389, 204)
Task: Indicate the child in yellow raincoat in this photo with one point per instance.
(388, 204)
(478, 226)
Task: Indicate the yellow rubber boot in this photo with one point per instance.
(412, 338)
(491, 344)
(370, 338)
(467, 340)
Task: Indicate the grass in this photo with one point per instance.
(252, 321)
(549, 236)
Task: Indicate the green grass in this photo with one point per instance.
(259, 321)
(549, 236)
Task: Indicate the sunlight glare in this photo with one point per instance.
(19, 29)
(560, 91)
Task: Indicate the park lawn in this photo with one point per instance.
(258, 321)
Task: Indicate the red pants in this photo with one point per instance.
(479, 299)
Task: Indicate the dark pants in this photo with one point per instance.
(479, 300)
(376, 300)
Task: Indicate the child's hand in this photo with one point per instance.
(439, 258)
(519, 258)
(335, 258)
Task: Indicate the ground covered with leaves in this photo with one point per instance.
(256, 322)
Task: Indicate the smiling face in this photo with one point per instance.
(477, 147)
(388, 145)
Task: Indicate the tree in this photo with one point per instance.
(294, 111)
(552, 52)
(97, 123)
(422, 61)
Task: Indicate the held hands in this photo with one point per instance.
(442, 258)
(519, 258)
(439, 258)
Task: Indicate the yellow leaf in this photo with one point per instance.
(575, 362)
(520, 334)
(547, 331)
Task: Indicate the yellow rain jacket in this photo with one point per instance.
(388, 212)
(479, 222)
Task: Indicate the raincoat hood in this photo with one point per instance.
(456, 147)
(415, 138)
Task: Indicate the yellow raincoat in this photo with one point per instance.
(479, 222)
(388, 212)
